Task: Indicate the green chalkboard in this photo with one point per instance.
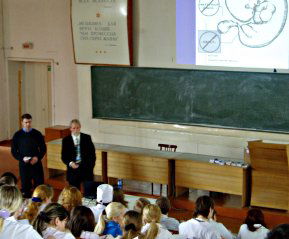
(243, 100)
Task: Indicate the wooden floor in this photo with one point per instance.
(229, 209)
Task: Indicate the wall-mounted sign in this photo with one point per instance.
(102, 31)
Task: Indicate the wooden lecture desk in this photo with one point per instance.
(270, 174)
(177, 170)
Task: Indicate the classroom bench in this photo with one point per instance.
(177, 170)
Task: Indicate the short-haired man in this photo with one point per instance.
(28, 147)
(169, 223)
(78, 153)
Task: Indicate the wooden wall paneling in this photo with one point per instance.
(137, 167)
(212, 177)
(270, 178)
(54, 157)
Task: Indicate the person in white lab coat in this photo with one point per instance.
(199, 226)
(167, 222)
(104, 196)
(254, 226)
(52, 222)
(152, 228)
(10, 208)
(224, 232)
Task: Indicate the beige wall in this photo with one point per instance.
(3, 84)
(47, 25)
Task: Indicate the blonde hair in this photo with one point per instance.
(70, 197)
(75, 121)
(114, 209)
(10, 200)
(42, 192)
(152, 215)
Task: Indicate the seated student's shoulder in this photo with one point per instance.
(16, 230)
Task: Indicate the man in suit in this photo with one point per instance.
(28, 147)
(78, 153)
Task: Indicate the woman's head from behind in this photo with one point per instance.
(54, 215)
(44, 193)
(41, 194)
(118, 196)
(140, 204)
(132, 224)
(204, 206)
(8, 178)
(70, 197)
(10, 202)
(115, 211)
(81, 219)
(152, 215)
(10, 198)
(254, 216)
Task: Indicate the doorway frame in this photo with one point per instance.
(52, 85)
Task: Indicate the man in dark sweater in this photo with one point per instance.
(28, 147)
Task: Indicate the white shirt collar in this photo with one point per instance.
(75, 138)
(12, 218)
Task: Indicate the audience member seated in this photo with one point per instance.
(41, 196)
(254, 226)
(8, 178)
(118, 196)
(111, 223)
(70, 197)
(51, 222)
(152, 229)
(104, 196)
(167, 222)
(140, 204)
(147, 222)
(279, 232)
(132, 224)
(199, 226)
(10, 208)
(219, 227)
(82, 223)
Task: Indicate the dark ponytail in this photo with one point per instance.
(46, 217)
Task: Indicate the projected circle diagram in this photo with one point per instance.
(258, 22)
(209, 42)
(209, 7)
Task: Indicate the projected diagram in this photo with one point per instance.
(233, 33)
(258, 22)
(242, 33)
(209, 41)
(209, 7)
